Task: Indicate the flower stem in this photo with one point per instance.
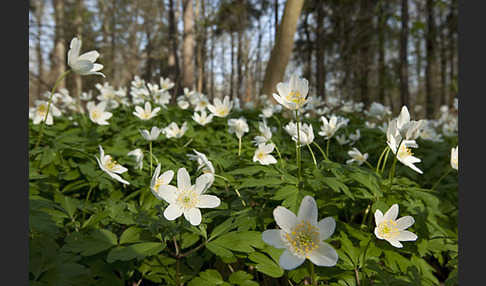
(327, 147)
(298, 147)
(384, 161)
(392, 172)
(58, 81)
(239, 146)
(312, 153)
(322, 152)
(150, 147)
(381, 157)
(369, 165)
(312, 274)
(279, 155)
(440, 179)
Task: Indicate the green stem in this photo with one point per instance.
(322, 152)
(369, 165)
(392, 172)
(327, 147)
(366, 213)
(312, 273)
(381, 157)
(298, 147)
(440, 179)
(312, 153)
(385, 160)
(239, 146)
(279, 155)
(58, 81)
(150, 147)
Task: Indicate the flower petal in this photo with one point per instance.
(326, 227)
(203, 182)
(167, 193)
(405, 222)
(325, 255)
(273, 238)
(395, 243)
(183, 179)
(172, 212)
(288, 261)
(308, 210)
(391, 213)
(208, 201)
(378, 217)
(406, 235)
(284, 218)
(194, 216)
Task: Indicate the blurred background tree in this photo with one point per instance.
(395, 52)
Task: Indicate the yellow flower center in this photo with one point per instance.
(260, 155)
(404, 151)
(42, 109)
(222, 111)
(303, 239)
(295, 97)
(388, 229)
(110, 163)
(95, 114)
(158, 183)
(188, 199)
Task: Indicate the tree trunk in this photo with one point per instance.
(39, 12)
(173, 62)
(443, 61)
(282, 49)
(78, 22)
(239, 71)
(381, 52)
(188, 44)
(319, 48)
(431, 68)
(364, 50)
(404, 91)
(232, 64)
(59, 56)
(275, 2)
(452, 27)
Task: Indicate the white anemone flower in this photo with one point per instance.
(302, 236)
(160, 180)
(391, 229)
(267, 112)
(202, 103)
(221, 108)
(356, 156)
(354, 137)
(187, 199)
(262, 154)
(378, 110)
(409, 129)
(203, 118)
(83, 64)
(341, 139)
(147, 113)
(292, 95)
(138, 154)
(266, 133)
(97, 112)
(166, 84)
(108, 94)
(173, 131)
(305, 130)
(203, 161)
(152, 135)
(182, 102)
(38, 113)
(238, 126)
(329, 127)
(111, 167)
(401, 148)
(454, 158)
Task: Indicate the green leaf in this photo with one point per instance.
(224, 227)
(131, 235)
(97, 241)
(242, 241)
(240, 278)
(338, 186)
(138, 251)
(67, 203)
(266, 265)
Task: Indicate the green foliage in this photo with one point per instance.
(86, 228)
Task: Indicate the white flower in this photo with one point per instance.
(152, 135)
(147, 113)
(203, 118)
(292, 95)
(111, 167)
(160, 180)
(401, 148)
(203, 161)
(329, 127)
(355, 136)
(97, 113)
(187, 199)
(262, 154)
(38, 113)
(138, 154)
(302, 236)
(238, 126)
(267, 112)
(409, 129)
(391, 229)
(83, 64)
(166, 84)
(266, 133)
(86, 96)
(454, 158)
(108, 94)
(305, 130)
(378, 110)
(356, 156)
(341, 139)
(202, 103)
(182, 103)
(221, 109)
(172, 130)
